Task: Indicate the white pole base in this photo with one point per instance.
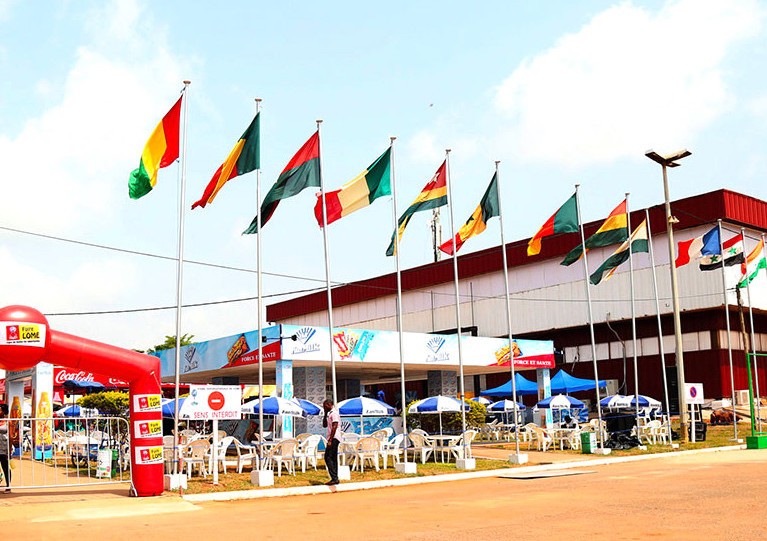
(406, 467)
(174, 481)
(262, 478)
(602, 451)
(466, 464)
(675, 446)
(344, 473)
(642, 447)
(520, 458)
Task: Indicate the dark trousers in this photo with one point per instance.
(331, 459)
(7, 470)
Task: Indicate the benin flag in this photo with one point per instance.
(639, 243)
(372, 183)
(160, 151)
(433, 195)
(564, 220)
(477, 223)
(613, 231)
(244, 158)
(302, 171)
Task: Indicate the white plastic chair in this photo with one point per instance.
(369, 449)
(307, 451)
(223, 445)
(197, 455)
(245, 454)
(420, 446)
(283, 453)
(393, 449)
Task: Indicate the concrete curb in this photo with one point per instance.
(348, 487)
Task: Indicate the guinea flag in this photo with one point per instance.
(433, 195)
(564, 220)
(372, 183)
(477, 223)
(160, 151)
(613, 231)
(244, 158)
(302, 171)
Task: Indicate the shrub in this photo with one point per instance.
(451, 422)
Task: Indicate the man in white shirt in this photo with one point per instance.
(332, 421)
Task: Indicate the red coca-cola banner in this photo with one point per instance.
(60, 375)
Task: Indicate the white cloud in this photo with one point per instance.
(627, 81)
(64, 167)
(6, 6)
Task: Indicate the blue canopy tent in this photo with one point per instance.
(564, 383)
(524, 386)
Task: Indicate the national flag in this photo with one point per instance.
(613, 231)
(433, 195)
(489, 206)
(639, 243)
(372, 183)
(705, 245)
(302, 171)
(733, 255)
(755, 261)
(160, 151)
(244, 158)
(564, 220)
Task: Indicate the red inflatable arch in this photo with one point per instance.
(26, 339)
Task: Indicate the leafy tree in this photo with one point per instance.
(170, 343)
(111, 403)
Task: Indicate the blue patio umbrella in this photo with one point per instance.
(482, 400)
(362, 406)
(169, 407)
(438, 404)
(308, 406)
(76, 411)
(560, 401)
(505, 406)
(615, 401)
(275, 405)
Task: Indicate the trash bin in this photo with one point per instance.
(700, 431)
(588, 442)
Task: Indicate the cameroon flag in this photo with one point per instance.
(244, 158)
(639, 243)
(160, 151)
(372, 183)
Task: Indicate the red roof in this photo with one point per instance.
(733, 207)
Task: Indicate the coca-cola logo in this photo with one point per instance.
(61, 375)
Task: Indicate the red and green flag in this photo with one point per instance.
(754, 262)
(302, 171)
(613, 231)
(564, 220)
(160, 151)
(244, 158)
(361, 191)
(488, 207)
(639, 243)
(433, 195)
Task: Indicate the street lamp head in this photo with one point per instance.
(668, 160)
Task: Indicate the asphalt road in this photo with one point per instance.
(708, 496)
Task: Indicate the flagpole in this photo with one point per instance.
(327, 266)
(660, 327)
(403, 401)
(756, 364)
(260, 298)
(633, 310)
(729, 338)
(753, 337)
(457, 293)
(508, 317)
(591, 316)
(180, 275)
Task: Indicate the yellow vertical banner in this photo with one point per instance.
(42, 411)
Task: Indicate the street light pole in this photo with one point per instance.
(665, 162)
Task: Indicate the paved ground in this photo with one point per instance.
(717, 496)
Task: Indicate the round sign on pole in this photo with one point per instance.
(216, 400)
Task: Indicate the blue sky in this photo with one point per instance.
(561, 92)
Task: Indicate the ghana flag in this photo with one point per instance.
(160, 151)
(564, 220)
(433, 195)
(302, 171)
(613, 231)
(639, 243)
(372, 183)
(477, 223)
(244, 158)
